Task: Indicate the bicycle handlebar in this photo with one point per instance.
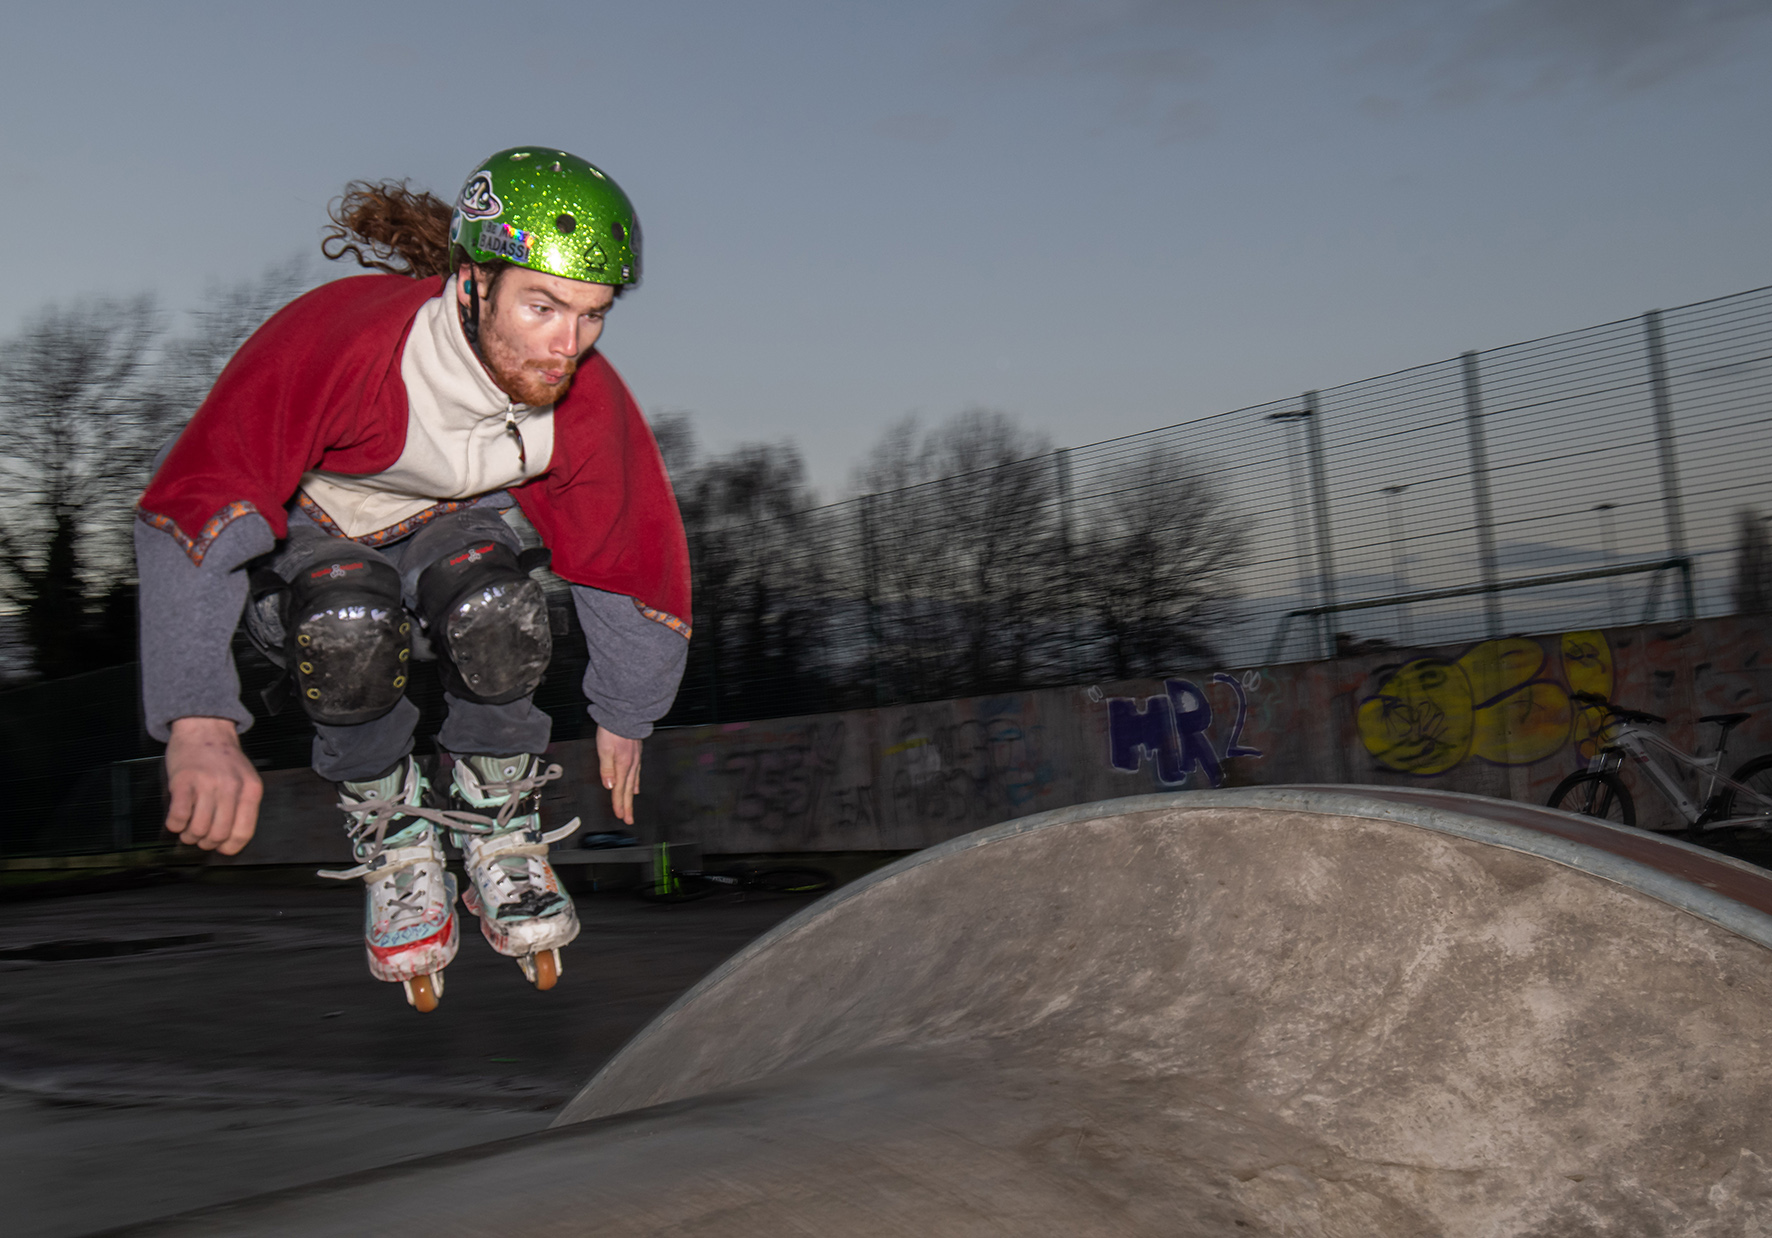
(1617, 711)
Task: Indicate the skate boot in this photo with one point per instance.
(410, 931)
(511, 886)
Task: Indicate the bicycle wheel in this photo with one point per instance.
(1595, 795)
(791, 880)
(682, 888)
(1755, 775)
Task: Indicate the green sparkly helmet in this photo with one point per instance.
(549, 211)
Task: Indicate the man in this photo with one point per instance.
(343, 483)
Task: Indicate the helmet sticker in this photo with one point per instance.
(478, 201)
(511, 244)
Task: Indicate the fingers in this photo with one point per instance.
(192, 817)
(618, 760)
(626, 787)
(214, 793)
(624, 784)
(216, 813)
(181, 802)
(245, 816)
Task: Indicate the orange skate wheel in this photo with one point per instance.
(547, 969)
(422, 994)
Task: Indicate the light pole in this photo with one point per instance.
(1300, 541)
(1608, 554)
(1399, 580)
(1300, 546)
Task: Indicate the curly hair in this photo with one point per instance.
(390, 227)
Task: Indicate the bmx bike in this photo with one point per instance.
(1743, 798)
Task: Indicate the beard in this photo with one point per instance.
(521, 380)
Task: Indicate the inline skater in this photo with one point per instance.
(343, 485)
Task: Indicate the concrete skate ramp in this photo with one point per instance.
(1301, 1011)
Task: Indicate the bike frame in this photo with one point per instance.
(1629, 739)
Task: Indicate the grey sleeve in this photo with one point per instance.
(188, 616)
(635, 664)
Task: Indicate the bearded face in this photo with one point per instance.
(524, 379)
(536, 328)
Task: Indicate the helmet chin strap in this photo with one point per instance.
(470, 318)
(470, 327)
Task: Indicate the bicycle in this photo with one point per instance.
(674, 885)
(1742, 799)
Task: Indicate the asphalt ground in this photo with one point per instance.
(168, 1048)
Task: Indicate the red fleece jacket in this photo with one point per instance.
(318, 388)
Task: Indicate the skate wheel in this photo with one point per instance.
(543, 969)
(422, 992)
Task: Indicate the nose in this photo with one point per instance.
(565, 340)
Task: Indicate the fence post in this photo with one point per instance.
(1062, 459)
(1473, 423)
(1313, 437)
(1671, 507)
(871, 586)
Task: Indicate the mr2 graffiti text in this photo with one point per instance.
(1175, 731)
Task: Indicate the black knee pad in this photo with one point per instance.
(488, 621)
(348, 639)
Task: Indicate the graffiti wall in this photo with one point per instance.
(1500, 717)
(888, 779)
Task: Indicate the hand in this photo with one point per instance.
(619, 758)
(214, 791)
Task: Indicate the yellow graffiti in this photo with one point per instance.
(1419, 720)
(1496, 702)
(1587, 665)
(1525, 725)
(1495, 666)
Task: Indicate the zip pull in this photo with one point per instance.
(514, 432)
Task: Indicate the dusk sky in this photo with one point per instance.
(1099, 217)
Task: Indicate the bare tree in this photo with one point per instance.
(960, 539)
(758, 571)
(83, 417)
(89, 395)
(675, 434)
(1152, 570)
(227, 316)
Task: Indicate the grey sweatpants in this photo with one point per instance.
(354, 753)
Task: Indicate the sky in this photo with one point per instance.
(1097, 217)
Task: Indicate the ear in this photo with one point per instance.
(464, 283)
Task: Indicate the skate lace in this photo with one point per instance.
(412, 905)
(521, 888)
(515, 791)
(368, 828)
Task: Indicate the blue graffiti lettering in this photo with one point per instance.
(1193, 716)
(1151, 729)
(1172, 730)
(1235, 748)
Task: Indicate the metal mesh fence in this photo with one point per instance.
(1589, 478)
